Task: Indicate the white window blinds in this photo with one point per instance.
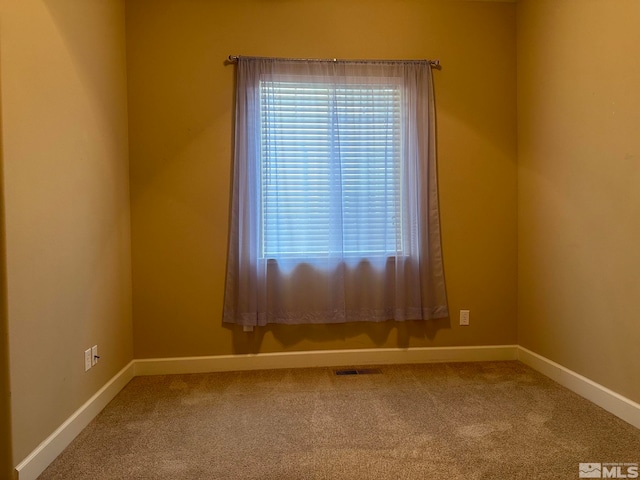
(330, 160)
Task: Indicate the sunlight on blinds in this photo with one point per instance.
(330, 168)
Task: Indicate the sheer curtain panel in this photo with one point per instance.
(334, 212)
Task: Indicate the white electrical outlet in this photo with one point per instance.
(94, 355)
(464, 317)
(87, 359)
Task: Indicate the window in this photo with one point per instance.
(330, 153)
(334, 212)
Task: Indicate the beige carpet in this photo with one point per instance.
(495, 420)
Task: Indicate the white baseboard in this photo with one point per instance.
(614, 403)
(324, 358)
(49, 449)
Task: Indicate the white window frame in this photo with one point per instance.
(334, 84)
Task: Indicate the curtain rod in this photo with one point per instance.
(432, 63)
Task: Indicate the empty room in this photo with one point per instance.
(325, 239)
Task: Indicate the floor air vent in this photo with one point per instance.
(358, 371)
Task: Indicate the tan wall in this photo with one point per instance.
(181, 101)
(64, 140)
(579, 178)
(6, 458)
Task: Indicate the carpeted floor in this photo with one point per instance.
(493, 420)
